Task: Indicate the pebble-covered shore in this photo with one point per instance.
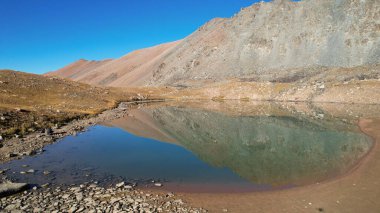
(92, 198)
(33, 143)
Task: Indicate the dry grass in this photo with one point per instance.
(31, 102)
(34, 92)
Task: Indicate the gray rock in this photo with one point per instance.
(158, 184)
(30, 171)
(79, 196)
(31, 152)
(121, 184)
(11, 155)
(48, 131)
(8, 188)
(45, 185)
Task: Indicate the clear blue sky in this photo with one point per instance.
(43, 35)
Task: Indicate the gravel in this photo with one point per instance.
(92, 198)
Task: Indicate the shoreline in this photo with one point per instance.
(215, 200)
(33, 143)
(341, 194)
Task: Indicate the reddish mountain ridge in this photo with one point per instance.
(133, 69)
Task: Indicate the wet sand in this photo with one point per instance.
(358, 191)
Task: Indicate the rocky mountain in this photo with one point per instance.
(268, 41)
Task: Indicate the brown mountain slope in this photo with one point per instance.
(77, 69)
(133, 69)
(268, 41)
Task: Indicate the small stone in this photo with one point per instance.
(114, 200)
(30, 171)
(45, 185)
(158, 184)
(320, 116)
(119, 185)
(73, 209)
(37, 210)
(46, 172)
(170, 195)
(34, 187)
(10, 207)
(31, 152)
(79, 196)
(48, 131)
(11, 155)
(65, 196)
(1, 138)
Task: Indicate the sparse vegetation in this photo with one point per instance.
(30, 103)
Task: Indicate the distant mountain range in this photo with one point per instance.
(275, 41)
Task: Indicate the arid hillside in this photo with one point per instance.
(133, 69)
(30, 102)
(279, 41)
(34, 92)
(79, 68)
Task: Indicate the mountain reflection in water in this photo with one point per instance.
(275, 150)
(231, 147)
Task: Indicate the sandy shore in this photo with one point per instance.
(355, 192)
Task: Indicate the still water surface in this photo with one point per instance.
(201, 150)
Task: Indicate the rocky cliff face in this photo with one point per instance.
(269, 41)
(274, 41)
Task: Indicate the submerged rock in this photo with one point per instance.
(30, 171)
